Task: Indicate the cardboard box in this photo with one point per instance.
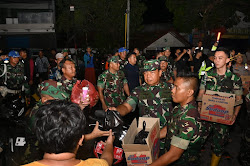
(138, 154)
(217, 107)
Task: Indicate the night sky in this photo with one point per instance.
(157, 12)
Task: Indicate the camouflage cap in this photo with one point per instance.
(53, 89)
(163, 58)
(65, 50)
(151, 65)
(114, 59)
(166, 48)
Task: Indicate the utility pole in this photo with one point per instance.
(128, 20)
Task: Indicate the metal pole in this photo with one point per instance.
(128, 20)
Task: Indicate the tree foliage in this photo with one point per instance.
(102, 22)
(207, 14)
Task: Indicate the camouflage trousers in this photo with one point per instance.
(219, 133)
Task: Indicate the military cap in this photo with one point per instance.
(163, 58)
(114, 59)
(65, 50)
(59, 55)
(151, 65)
(122, 49)
(53, 89)
(166, 48)
(14, 54)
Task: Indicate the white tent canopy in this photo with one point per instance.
(171, 39)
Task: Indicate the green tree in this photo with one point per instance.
(99, 23)
(206, 14)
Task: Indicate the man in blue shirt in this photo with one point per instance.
(89, 66)
(132, 72)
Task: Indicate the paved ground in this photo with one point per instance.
(232, 148)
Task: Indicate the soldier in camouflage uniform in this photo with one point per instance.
(111, 85)
(13, 87)
(220, 79)
(12, 81)
(68, 79)
(171, 63)
(48, 90)
(139, 61)
(122, 54)
(184, 129)
(167, 75)
(152, 97)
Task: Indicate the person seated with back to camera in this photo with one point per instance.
(59, 127)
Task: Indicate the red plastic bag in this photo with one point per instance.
(77, 90)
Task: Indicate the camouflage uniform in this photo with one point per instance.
(228, 83)
(123, 63)
(50, 88)
(112, 85)
(13, 85)
(67, 85)
(153, 101)
(171, 67)
(139, 61)
(166, 75)
(55, 74)
(184, 130)
(15, 78)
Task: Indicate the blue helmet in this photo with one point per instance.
(14, 54)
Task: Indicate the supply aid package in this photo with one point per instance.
(77, 91)
(141, 137)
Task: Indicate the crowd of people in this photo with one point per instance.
(169, 87)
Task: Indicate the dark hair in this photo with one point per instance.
(23, 50)
(59, 125)
(130, 54)
(225, 50)
(198, 51)
(61, 64)
(191, 78)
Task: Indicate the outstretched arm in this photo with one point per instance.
(108, 150)
(96, 133)
(171, 156)
(123, 109)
